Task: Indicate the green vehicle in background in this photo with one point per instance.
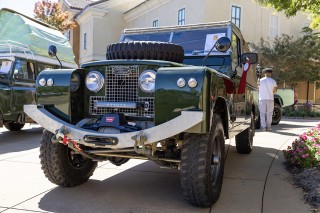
(169, 94)
(23, 55)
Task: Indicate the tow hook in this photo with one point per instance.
(61, 136)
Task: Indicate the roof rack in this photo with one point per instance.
(12, 47)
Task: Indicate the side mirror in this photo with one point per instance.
(253, 58)
(222, 44)
(52, 50)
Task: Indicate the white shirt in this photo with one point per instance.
(266, 87)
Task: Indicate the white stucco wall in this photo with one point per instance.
(254, 19)
(105, 22)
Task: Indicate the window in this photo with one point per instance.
(182, 17)
(274, 26)
(236, 15)
(85, 41)
(67, 35)
(23, 70)
(155, 23)
(236, 49)
(42, 67)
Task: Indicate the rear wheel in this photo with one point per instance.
(150, 50)
(61, 165)
(258, 122)
(202, 166)
(277, 114)
(14, 126)
(244, 140)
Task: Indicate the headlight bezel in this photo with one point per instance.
(94, 86)
(144, 84)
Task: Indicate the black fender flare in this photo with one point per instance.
(221, 108)
(277, 99)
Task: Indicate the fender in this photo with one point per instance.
(57, 98)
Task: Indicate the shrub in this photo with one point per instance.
(300, 112)
(305, 151)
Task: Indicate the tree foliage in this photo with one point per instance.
(291, 7)
(293, 59)
(50, 12)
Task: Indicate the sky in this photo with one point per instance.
(22, 6)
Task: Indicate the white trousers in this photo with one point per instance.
(266, 110)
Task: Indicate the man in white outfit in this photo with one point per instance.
(267, 87)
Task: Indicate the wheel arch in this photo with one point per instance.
(278, 100)
(220, 107)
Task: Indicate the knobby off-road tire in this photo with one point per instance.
(277, 114)
(202, 166)
(244, 140)
(13, 126)
(62, 167)
(145, 50)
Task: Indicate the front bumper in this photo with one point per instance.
(185, 121)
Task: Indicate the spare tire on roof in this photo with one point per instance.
(150, 50)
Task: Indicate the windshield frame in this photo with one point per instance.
(172, 36)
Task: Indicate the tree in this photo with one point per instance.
(50, 12)
(293, 59)
(291, 7)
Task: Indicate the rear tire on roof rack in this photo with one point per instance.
(151, 50)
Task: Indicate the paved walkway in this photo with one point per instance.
(253, 183)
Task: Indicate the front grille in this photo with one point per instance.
(121, 86)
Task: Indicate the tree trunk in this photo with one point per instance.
(307, 93)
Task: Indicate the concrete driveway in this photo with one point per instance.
(254, 183)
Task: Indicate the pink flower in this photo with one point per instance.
(303, 137)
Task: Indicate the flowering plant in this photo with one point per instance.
(305, 151)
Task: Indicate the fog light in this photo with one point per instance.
(192, 83)
(181, 82)
(42, 82)
(50, 82)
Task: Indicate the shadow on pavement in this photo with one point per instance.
(147, 188)
(15, 141)
(133, 190)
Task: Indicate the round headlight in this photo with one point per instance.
(42, 82)
(74, 82)
(50, 82)
(147, 80)
(94, 81)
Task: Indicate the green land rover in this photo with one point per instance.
(169, 94)
(23, 54)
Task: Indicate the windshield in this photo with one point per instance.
(194, 42)
(5, 67)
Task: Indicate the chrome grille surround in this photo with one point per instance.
(121, 86)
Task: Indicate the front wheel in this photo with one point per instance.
(14, 126)
(202, 166)
(277, 114)
(61, 165)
